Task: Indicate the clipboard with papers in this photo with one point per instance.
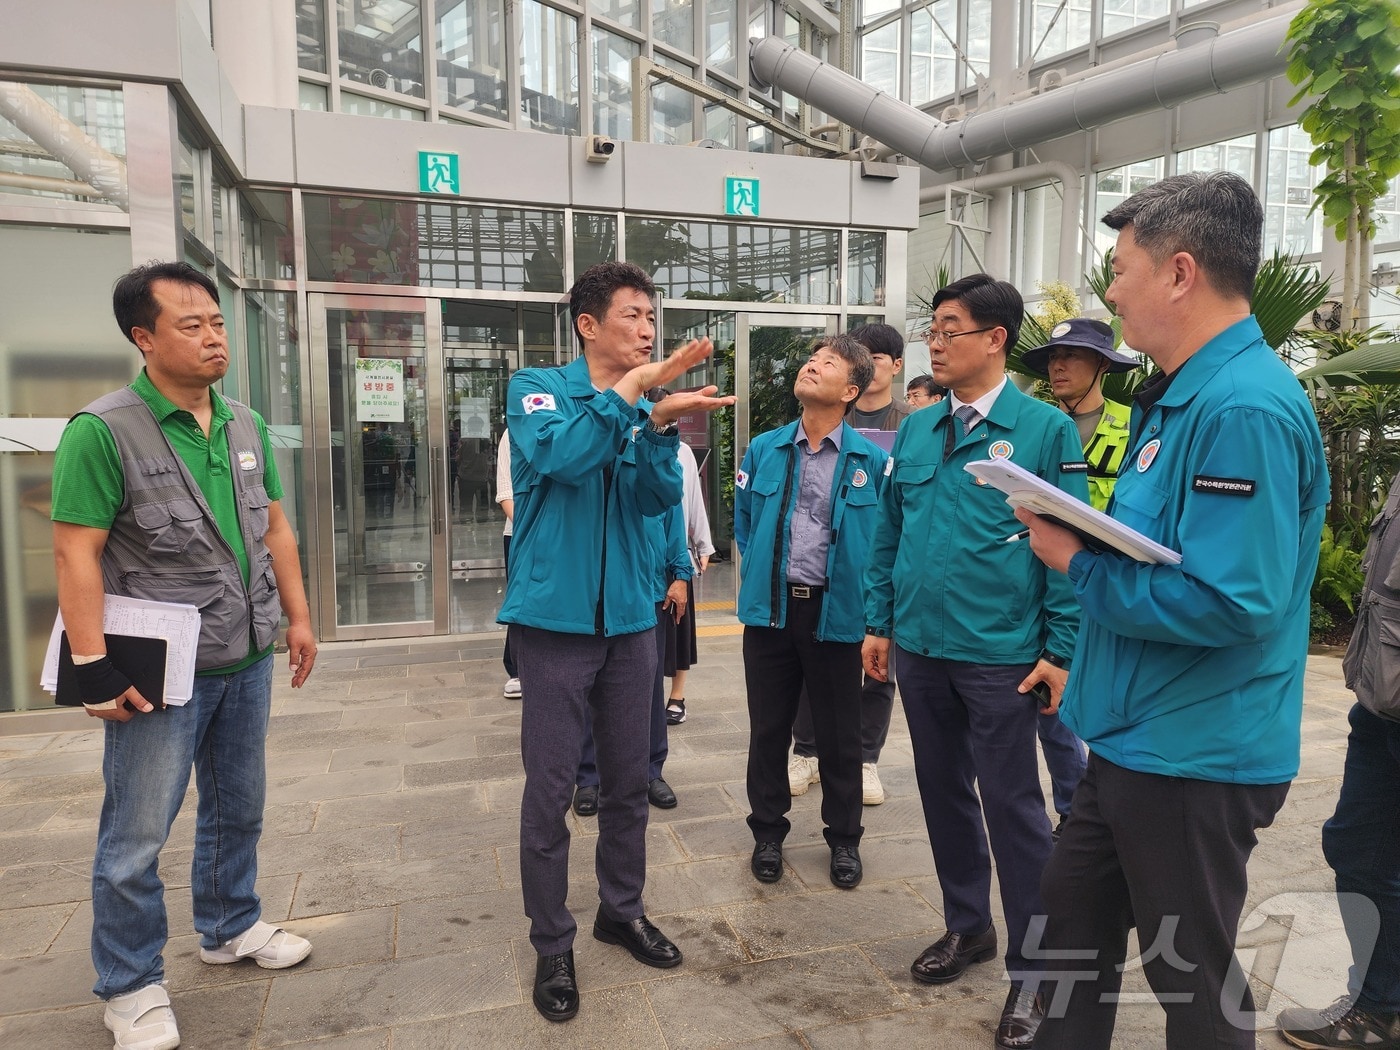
(1095, 528)
(175, 626)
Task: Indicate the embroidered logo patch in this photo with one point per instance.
(741, 479)
(247, 461)
(1000, 450)
(1061, 329)
(859, 478)
(1148, 454)
(538, 403)
(889, 466)
(1224, 486)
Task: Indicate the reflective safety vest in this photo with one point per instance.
(1104, 452)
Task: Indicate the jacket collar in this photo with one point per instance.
(579, 383)
(1201, 366)
(577, 378)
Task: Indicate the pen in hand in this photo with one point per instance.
(1019, 536)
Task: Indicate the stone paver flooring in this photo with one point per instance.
(391, 842)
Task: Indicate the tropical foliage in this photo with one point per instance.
(1345, 55)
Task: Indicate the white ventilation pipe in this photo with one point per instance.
(1245, 54)
(64, 141)
(1066, 174)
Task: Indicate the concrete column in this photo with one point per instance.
(151, 130)
(257, 49)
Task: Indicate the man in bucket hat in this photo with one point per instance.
(1075, 360)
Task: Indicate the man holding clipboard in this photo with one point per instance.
(166, 491)
(1187, 679)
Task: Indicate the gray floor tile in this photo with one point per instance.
(357, 998)
(391, 841)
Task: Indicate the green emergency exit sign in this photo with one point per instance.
(741, 197)
(438, 173)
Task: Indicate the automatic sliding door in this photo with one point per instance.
(484, 343)
(376, 467)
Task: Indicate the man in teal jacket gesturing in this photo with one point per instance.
(804, 508)
(589, 465)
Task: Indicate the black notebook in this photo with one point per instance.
(142, 660)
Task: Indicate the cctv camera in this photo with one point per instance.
(600, 149)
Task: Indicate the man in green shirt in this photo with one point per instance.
(166, 491)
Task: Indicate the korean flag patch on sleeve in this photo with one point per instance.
(741, 479)
(538, 403)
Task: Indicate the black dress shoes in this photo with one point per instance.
(646, 943)
(767, 861)
(845, 867)
(556, 991)
(586, 802)
(660, 795)
(946, 958)
(1020, 1019)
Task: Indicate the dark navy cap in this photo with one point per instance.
(1078, 331)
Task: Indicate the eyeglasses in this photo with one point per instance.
(935, 338)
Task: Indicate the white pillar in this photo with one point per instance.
(256, 41)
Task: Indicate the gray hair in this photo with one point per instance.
(1214, 217)
(860, 366)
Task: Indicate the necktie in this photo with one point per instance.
(966, 416)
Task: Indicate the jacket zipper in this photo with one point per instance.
(781, 538)
(599, 624)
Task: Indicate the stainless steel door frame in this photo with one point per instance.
(320, 460)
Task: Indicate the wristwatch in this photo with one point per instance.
(668, 430)
(1053, 660)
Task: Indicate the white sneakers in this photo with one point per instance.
(802, 774)
(512, 690)
(271, 947)
(872, 792)
(142, 1020)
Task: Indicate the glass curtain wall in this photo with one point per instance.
(525, 64)
(471, 65)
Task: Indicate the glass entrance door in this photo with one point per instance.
(483, 344)
(377, 401)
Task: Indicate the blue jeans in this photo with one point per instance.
(1362, 844)
(146, 766)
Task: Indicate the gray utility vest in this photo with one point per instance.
(1372, 662)
(165, 545)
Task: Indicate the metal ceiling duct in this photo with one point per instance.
(65, 141)
(1245, 54)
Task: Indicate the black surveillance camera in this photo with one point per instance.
(600, 149)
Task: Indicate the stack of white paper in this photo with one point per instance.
(1024, 489)
(177, 624)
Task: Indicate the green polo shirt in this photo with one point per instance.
(89, 486)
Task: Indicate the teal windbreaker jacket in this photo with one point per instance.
(1196, 670)
(765, 493)
(943, 578)
(587, 473)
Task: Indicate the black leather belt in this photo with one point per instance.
(805, 590)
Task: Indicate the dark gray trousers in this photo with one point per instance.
(562, 675)
(1167, 855)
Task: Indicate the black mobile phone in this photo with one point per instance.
(1041, 692)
